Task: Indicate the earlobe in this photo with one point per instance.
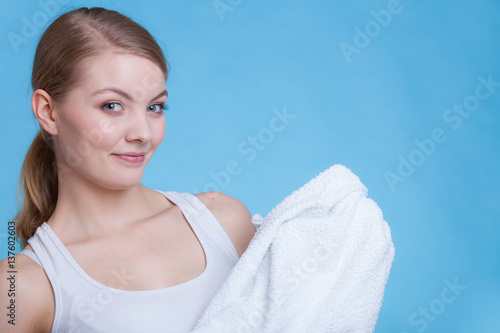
(43, 108)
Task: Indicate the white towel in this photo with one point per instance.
(319, 262)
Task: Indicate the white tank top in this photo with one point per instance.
(84, 305)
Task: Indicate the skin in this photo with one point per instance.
(103, 213)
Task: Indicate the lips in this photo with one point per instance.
(131, 157)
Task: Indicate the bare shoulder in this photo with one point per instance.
(24, 287)
(233, 215)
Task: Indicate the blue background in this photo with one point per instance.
(232, 66)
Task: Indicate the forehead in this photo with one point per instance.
(129, 72)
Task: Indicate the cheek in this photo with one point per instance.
(69, 134)
(158, 129)
(82, 134)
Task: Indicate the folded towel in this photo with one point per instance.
(319, 262)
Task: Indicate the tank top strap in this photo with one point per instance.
(52, 261)
(205, 225)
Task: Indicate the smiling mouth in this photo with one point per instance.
(131, 157)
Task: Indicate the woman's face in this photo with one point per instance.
(111, 122)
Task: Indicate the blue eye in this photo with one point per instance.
(112, 107)
(158, 108)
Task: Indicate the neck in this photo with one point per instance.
(86, 210)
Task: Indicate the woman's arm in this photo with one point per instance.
(234, 217)
(30, 292)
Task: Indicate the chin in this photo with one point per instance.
(120, 186)
(121, 183)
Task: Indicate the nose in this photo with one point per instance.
(139, 128)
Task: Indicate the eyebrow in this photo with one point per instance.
(124, 94)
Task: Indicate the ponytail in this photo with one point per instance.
(38, 181)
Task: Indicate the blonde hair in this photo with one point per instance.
(71, 38)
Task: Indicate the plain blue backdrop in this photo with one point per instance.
(404, 93)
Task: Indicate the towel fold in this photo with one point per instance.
(319, 262)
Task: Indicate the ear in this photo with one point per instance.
(43, 108)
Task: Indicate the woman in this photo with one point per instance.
(103, 252)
